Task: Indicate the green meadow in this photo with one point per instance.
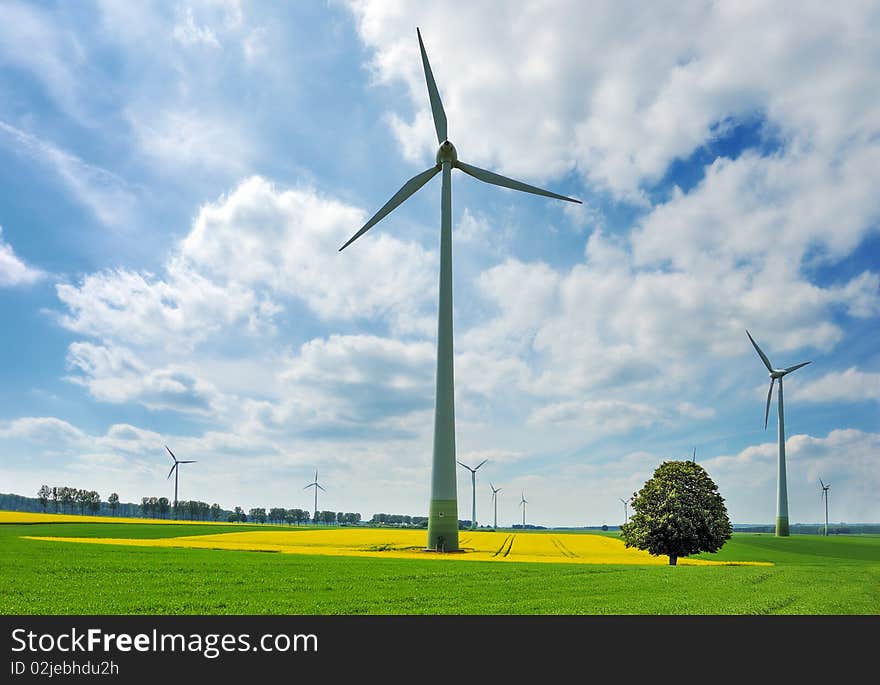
(837, 575)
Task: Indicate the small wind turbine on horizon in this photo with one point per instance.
(625, 511)
(782, 489)
(315, 485)
(495, 492)
(523, 502)
(474, 489)
(825, 497)
(176, 471)
(443, 509)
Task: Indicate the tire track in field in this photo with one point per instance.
(510, 545)
(566, 552)
(501, 548)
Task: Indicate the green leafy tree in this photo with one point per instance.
(215, 512)
(43, 495)
(163, 506)
(678, 512)
(113, 502)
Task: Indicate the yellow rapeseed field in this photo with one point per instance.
(28, 517)
(387, 542)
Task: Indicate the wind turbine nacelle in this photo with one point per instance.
(447, 153)
(777, 373)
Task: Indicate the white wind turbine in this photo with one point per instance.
(825, 497)
(495, 492)
(781, 491)
(443, 509)
(523, 502)
(314, 484)
(474, 490)
(625, 512)
(176, 471)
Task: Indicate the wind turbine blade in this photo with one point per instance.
(171, 453)
(410, 187)
(434, 95)
(499, 180)
(308, 486)
(760, 353)
(769, 395)
(821, 483)
(172, 470)
(321, 487)
(462, 464)
(480, 464)
(796, 367)
(187, 462)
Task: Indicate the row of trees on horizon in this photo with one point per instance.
(69, 500)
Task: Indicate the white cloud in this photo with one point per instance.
(846, 458)
(180, 138)
(635, 90)
(140, 308)
(188, 32)
(601, 416)
(13, 271)
(107, 195)
(45, 429)
(366, 384)
(851, 385)
(117, 375)
(34, 43)
(288, 240)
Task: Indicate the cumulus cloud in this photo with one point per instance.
(13, 271)
(846, 458)
(44, 429)
(288, 240)
(850, 385)
(363, 384)
(634, 98)
(117, 375)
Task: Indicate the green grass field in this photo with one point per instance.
(811, 575)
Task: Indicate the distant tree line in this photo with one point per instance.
(68, 500)
(400, 520)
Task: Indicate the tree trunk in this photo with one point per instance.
(673, 560)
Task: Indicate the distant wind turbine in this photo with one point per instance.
(825, 497)
(316, 486)
(523, 501)
(176, 471)
(443, 509)
(474, 489)
(625, 514)
(495, 492)
(781, 491)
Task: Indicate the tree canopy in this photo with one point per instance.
(678, 512)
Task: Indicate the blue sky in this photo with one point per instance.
(178, 178)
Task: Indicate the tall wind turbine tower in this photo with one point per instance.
(176, 471)
(825, 497)
(495, 492)
(443, 509)
(523, 502)
(314, 484)
(625, 512)
(781, 491)
(474, 490)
